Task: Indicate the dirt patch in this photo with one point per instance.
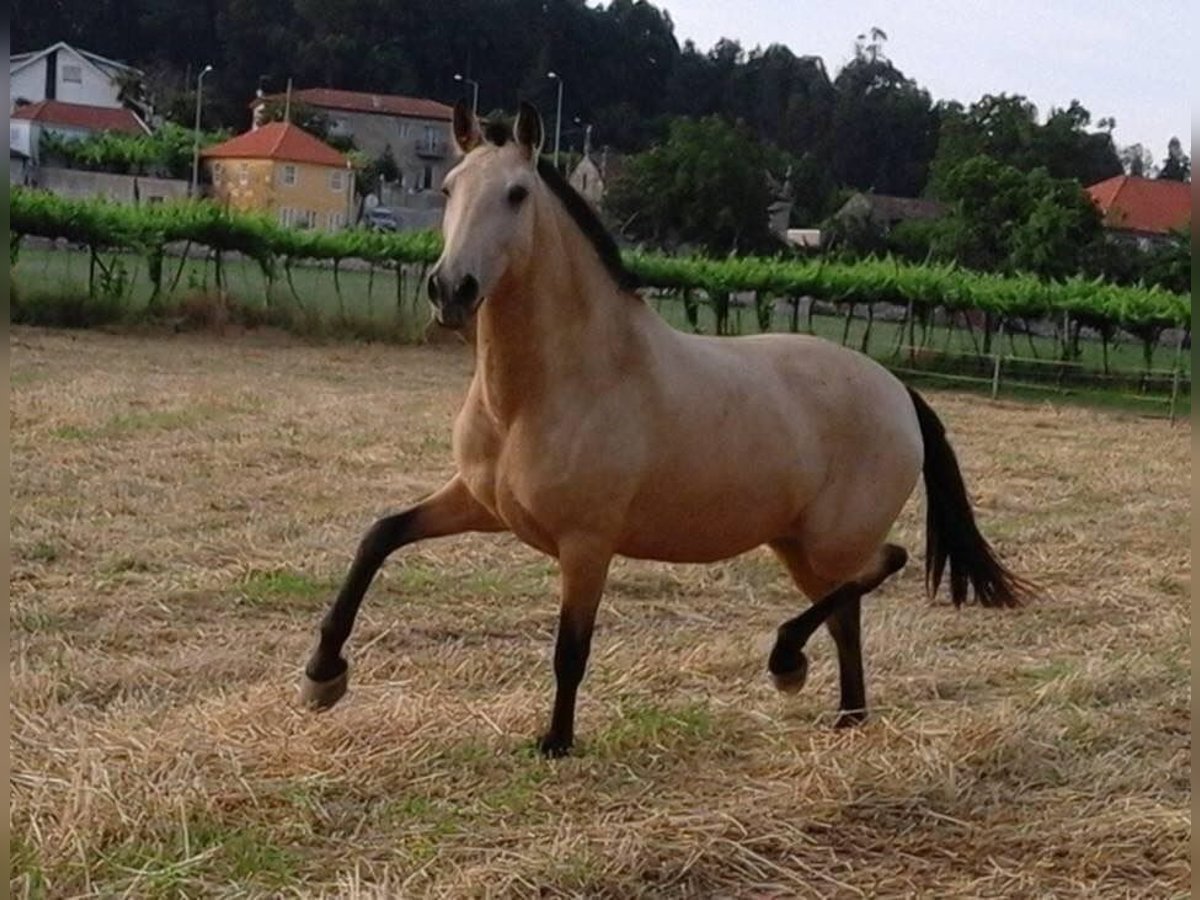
(182, 507)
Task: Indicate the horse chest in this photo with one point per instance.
(508, 475)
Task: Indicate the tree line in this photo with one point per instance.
(867, 126)
(731, 119)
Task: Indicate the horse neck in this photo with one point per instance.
(553, 325)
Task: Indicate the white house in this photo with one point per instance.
(28, 122)
(69, 75)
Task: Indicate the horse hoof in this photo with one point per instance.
(791, 680)
(553, 747)
(850, 718)
(321, 695)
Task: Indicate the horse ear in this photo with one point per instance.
(466, 128)
(529, 130)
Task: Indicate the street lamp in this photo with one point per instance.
(196, 133)
(557, 115)
(587, 134)
(474, 91)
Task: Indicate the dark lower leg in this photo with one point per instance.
(384, 537)
(570, 661)
(584, 571)
(846, 627)
(787, 661)
(452, 510)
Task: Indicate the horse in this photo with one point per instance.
(592, 428)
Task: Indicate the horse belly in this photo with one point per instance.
(675, 522)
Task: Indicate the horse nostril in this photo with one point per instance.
(467, 290)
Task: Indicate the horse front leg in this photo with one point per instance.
(584, 572)
(452, 510)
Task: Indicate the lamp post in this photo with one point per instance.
(474, 91)
(196, 132)
(557, 115)
(587, 135)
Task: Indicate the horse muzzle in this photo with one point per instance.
(454, 305)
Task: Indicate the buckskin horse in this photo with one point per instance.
(592, 428)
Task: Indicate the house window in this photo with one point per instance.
(243, 174)
(427, 179)
(72, 74)
(337, 180)
(308, 218)
(402, 126)
(336, 220)
(288, 176)
(217, 171)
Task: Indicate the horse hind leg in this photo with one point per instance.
(839, 608)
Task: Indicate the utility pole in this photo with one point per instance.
(557, 116)
(196, 131)
(474, 91)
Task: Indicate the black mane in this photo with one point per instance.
(499, 132)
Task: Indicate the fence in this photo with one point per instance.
(1078, 332)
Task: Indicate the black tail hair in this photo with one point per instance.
(950, 530)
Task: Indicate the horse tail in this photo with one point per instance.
(951, 534)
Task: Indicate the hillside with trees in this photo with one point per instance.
(707, 132)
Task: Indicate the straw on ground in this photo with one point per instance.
(183, 507)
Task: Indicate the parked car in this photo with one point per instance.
(380, 219)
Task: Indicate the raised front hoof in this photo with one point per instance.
(321, 695)
(850, 718)
(789, 672)
(552, 746)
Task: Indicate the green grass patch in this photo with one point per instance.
(42, 551)
(180, 863)
(35, 621)
(279, 588)
(641, 727)
(131, 423)
(359, 303)
(1040, 675)
(25, 868)
(415, 579)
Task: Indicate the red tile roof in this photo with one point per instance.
(278, 140)
(380, 104)
(1151, 205)
(78, 115)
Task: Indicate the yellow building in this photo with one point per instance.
(284, 171)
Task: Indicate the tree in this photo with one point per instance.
(884, 127)
(1061, 228)
(706, 184)
(1005, 220)
(1137, 161)
(1067, 149)
(1005, 127)
(1177, 166)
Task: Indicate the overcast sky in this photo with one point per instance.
(1128, 60)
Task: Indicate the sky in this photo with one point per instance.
(1128, 60)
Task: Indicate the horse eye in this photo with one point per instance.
(517, 193)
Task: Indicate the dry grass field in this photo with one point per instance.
(183, 507)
